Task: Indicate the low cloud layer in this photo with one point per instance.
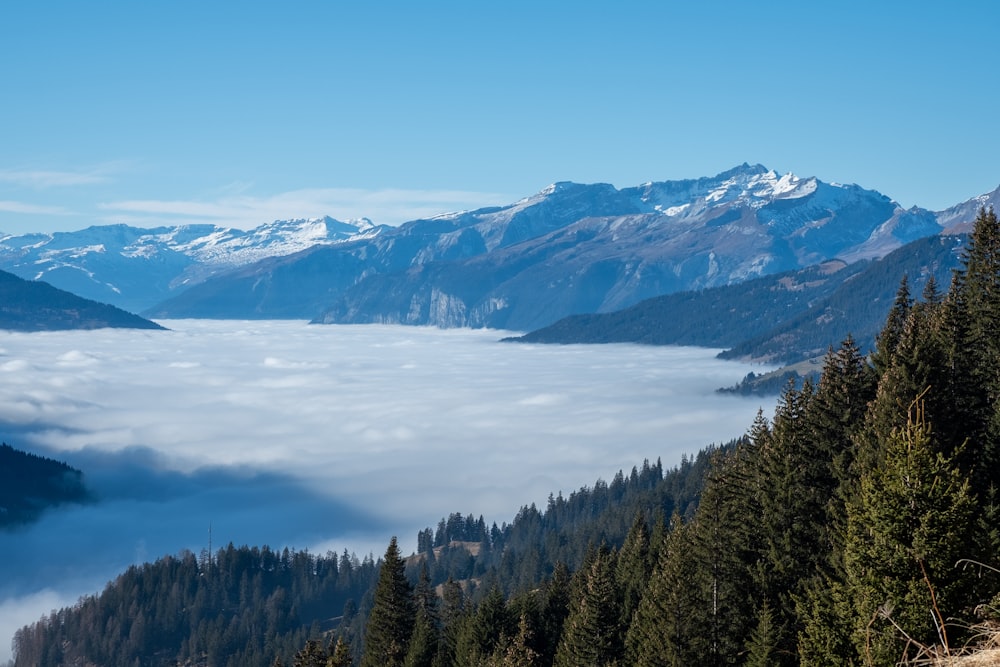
(323, 437)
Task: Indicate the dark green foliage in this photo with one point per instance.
(592, 633)
(390, 625)
(762, 649)
(667, 629)
(484, 630)
(251, 605)
(340, 654)
(29, 484)
(313, 655)
(786, 317)
(912, 522)
(426, 632)
(28, 305)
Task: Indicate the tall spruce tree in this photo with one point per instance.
(727, 543)
(911, 523)
(592, 634)
(426, 633)
(794, 492)
(973, 307)
(667, 629)
(633, 567)
(390, 624)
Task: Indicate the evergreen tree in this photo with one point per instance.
(667, 629)
(912, 522)
(555, 607)
(516, 651)
(390, 624)
(424, 642)
(794, 492)
(340, 655)
(483, 630)
(632, 568)
(974, 331)
(312, 655)
(888, 338)
(762, 649)
(727, 542)
(451, 616)
(592, 635)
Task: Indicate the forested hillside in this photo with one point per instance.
(784, 318)
(249, 606)
(858, 526)
(29, 484)
(29, 305)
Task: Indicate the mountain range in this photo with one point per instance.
(569, 249)
(136, 268)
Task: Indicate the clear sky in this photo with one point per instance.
(239, 113)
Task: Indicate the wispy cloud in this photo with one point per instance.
(42, 179)
(386, 206)
(32, 209)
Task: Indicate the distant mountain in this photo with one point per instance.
(28, 305)
(29, 484)
(135, 268)
(569, 249)
(783, 318)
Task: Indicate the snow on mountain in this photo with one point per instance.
(958, 219)
(134, 268)
(568, 248)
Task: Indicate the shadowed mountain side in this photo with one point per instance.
(858, 307)
(143, 510)
(29, 484)
(27, 305)
(782, 318)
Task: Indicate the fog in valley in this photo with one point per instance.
(323, 437)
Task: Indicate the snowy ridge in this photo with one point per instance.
(568, 248)
(134, 268)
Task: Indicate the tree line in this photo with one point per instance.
(858, 526)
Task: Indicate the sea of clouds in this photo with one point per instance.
(323, 437)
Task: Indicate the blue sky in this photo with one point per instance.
(241, 113)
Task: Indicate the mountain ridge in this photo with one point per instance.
(568, 249)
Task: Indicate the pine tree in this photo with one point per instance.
(892, 331)
(482, 631)
(762, 649)
(424, 641)
(973, 308)
(390, 624)
(516, 651)
(667, 629)
(633, 567)
(912, 522)
(794, 491)
(592, 634)
(554, 608)
(340, 655)
(312, 655)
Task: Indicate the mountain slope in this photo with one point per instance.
(135, 268)
(569, 249)
(29, 484)
(783, 318)
(27, 305)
